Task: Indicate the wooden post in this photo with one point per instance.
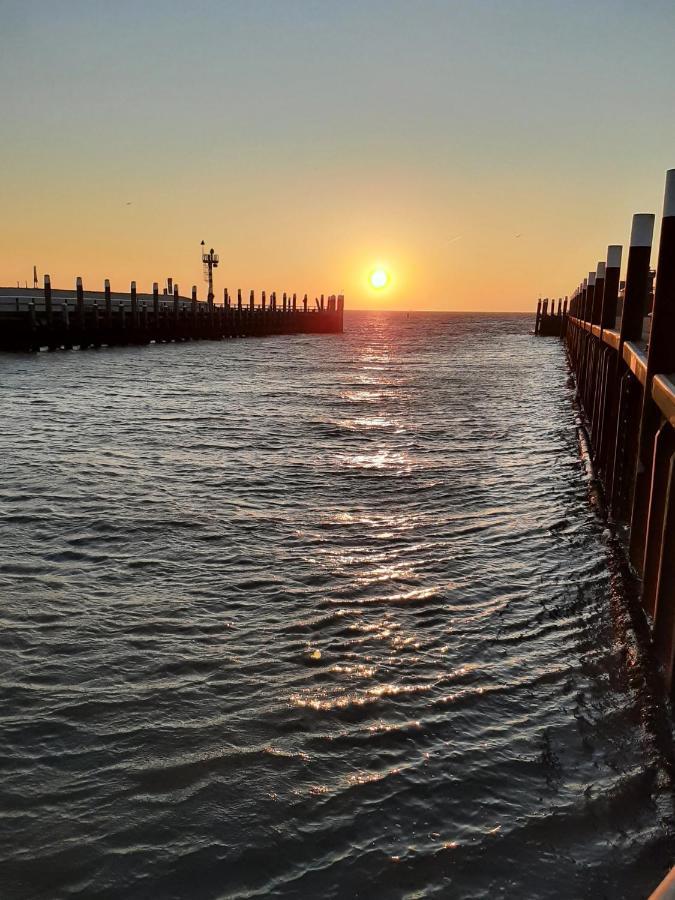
(660, 358)
(634, 301)
(108, 303)
(590, 296)
(608, 408)
(251, 301)
(80, 304)
(176, 309)
(599, 292)
(134, 305)
(48, 299)
(538, 317)
(637, 278)
(94, 318)
(238, 299)
(611, 289)
(263, 300)
(295, 306)
(155, 302)
(226, 299)
(304, 303)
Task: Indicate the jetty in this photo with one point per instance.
(35, 318)
(620, 340)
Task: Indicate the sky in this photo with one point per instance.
(484, 153)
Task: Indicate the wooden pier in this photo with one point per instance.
(620, 338)
(550, 323)
(32, 319)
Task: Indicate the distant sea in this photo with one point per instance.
(316, 616)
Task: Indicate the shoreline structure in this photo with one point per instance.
(620, 339)
(33, 318)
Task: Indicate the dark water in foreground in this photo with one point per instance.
(184, 526)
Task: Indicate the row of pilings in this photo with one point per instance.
(549, 322)
(620, 338)
(32, 319)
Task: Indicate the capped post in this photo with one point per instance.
(637, 278)
(48, 298)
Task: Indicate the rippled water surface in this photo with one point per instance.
(318, 616)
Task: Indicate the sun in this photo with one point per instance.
(379, 279)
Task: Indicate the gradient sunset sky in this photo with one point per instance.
(483, 152)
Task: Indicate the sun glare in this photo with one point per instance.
(379, 279)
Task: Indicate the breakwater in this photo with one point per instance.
(31, 319)
(620, 337)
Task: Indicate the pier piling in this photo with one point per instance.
(63, 319)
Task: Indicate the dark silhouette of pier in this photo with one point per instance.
(31, 319)
(620, 338)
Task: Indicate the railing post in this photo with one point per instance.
(599, 293)
(607, 410)
(610, 293)
(637, 278)
(635, 298)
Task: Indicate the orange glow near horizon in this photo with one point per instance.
(311, 170)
